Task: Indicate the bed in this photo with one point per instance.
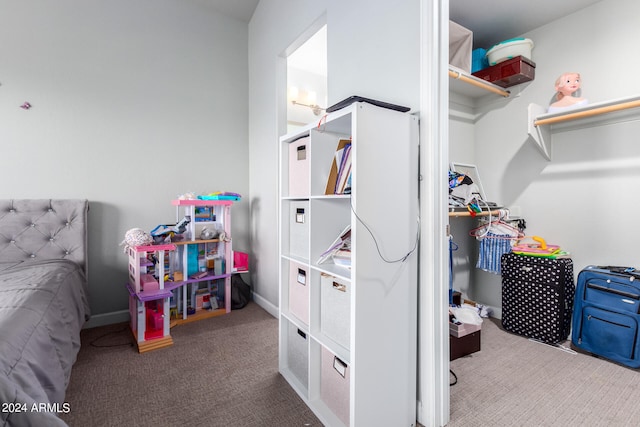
(43, 306)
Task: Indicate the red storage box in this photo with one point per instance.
(510, 72)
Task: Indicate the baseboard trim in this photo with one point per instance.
(496, 312)
(266, 305)
(104, 319)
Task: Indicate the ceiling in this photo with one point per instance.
(241, 10)
(493, 21)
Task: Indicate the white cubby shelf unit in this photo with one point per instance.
(348, 334)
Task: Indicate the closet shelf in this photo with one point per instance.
(473, 86)
(542, 125)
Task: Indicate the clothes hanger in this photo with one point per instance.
(497, 226)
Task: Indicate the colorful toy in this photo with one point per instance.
(567, 87)
(148, 296)
(221, 195)
(162, 232)
(136, 237)
(188, 196)
(166, 279)
(540, 249)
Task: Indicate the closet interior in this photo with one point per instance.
(536, 166)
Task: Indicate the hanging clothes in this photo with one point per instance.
(452, 247)
(496, 238)
(492, 247)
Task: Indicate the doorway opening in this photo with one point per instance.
(307, 81)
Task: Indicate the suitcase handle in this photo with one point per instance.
(628, 271)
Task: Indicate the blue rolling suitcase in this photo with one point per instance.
(606, 313)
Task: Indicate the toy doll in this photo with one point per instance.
(566, 98)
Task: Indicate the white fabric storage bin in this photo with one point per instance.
(460, 46)
(334, 385)
(299, 291)
(299, 229)
(298, 354)
(299, 167)
(335, 309)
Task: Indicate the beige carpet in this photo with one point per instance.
(516, 382)
(224, 372)
(219, 372)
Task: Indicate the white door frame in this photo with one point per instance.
(433, 340)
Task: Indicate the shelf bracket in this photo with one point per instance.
(539, 135)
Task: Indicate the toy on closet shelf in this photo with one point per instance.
(567, 97)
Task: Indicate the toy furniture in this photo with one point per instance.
(148, 297)
(203, 261)
(186, 279)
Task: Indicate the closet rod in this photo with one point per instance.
(467, 213)
(477, 82)
(588, 113)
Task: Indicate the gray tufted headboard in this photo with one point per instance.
(44, 229)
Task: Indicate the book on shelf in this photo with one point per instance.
(340, 171)
(341, 244)
(342, 257)
(347, 187)
(344, 171)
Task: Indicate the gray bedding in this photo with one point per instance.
(43, 306)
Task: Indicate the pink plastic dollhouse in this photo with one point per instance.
(148, 297)
(198, 267)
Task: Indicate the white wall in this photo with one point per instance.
(584, 198)
(134, 102)
(363, 59)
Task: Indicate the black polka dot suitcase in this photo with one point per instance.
(537, 296)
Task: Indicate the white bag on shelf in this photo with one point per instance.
(460, 46)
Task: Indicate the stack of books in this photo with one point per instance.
(339, 181)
